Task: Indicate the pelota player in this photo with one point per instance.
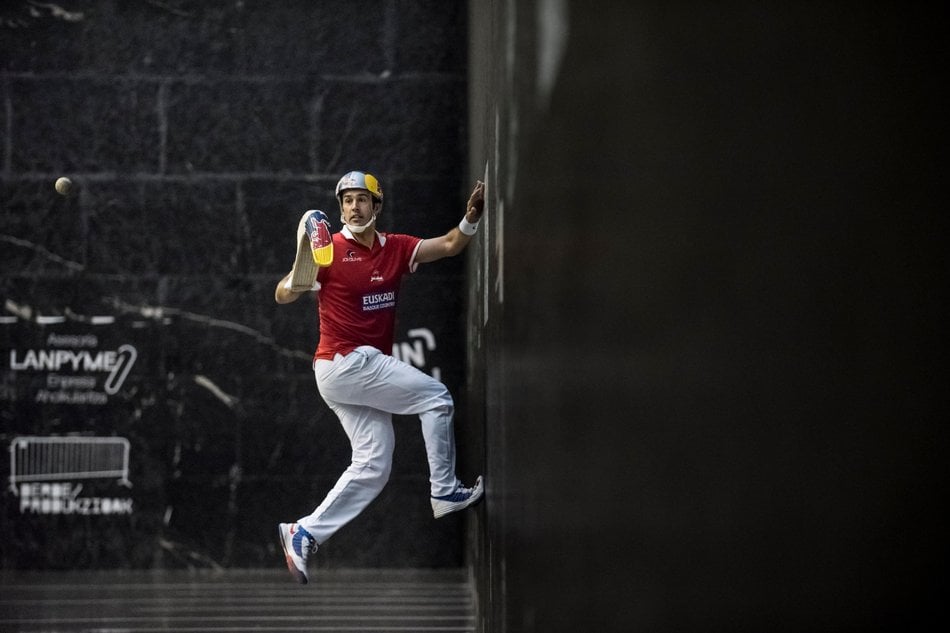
(360, 381)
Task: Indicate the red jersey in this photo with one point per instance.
(358, 292)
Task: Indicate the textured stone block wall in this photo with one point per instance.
(197, 133)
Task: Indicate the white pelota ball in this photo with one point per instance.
(63, 186)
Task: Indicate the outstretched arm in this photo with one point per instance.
(455, 241)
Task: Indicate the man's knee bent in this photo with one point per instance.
(374, 468)
(443, 404)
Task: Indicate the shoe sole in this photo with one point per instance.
(298, 575)
(438, 514)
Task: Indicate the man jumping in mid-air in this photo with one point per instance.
(355, 373)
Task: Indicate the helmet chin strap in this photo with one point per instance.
(358, 229)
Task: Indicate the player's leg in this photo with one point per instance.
(372, 441)
(403, 389)
(370, 378)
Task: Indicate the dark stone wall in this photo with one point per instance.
(708, 315)
(198, 133)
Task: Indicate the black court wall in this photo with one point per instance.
(707, 315)
(157, 408)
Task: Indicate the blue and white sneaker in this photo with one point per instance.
(458, 500)
(297, 544)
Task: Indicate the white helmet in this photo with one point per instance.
(360, 180)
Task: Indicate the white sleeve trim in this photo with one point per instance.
(413, 264)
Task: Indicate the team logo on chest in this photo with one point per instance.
(379, 301)
(375, 277)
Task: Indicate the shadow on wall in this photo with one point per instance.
(706, 319)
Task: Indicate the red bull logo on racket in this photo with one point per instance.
(321, 242)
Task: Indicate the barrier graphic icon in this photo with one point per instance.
(38, 459)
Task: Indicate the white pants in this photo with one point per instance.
(365, 388)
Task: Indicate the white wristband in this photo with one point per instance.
(467, 227)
